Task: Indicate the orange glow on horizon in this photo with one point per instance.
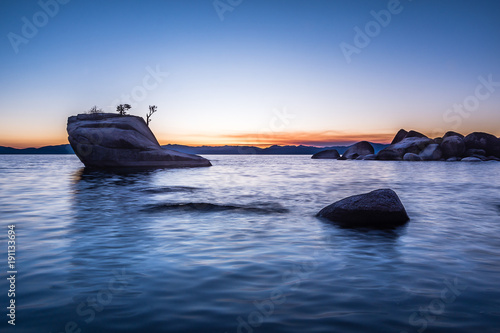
(262, 140)
(21, 144)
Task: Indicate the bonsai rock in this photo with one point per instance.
(108, 140)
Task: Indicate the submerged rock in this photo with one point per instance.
(362, 148)
(369, 157)
(412, 157)
(415, 134)
(377, 209)
(327, 154)
(108, 140)
(471, 159)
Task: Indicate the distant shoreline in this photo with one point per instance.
(65, 149)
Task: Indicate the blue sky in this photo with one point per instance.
(270, 72)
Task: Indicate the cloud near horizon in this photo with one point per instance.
(265, 139)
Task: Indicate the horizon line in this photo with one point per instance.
(318, 139)
(262, 146)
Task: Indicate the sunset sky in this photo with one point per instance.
(251, 71)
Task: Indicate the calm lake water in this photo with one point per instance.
(236, 247)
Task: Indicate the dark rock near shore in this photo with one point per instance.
(438, 140)
(414, 145)
(412, 157)
(376, 209)
(453, 146)
(487, 142)
(399, 136)
(415, 134)
(471, 159)
(369, 157)
(327, 154)
(108, 140)
(431, 153)
(472, 152)
(362, 148)
(451, 133)
(390, 155)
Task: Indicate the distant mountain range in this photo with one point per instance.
(272, 150)
(47, 150)
(203, 150)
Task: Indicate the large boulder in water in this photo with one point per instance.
(399, 136)
(474, 152)
(327, 154)
(451, 133)
(108, 140)
(431, 153)
(376, 209)
(414, 145)
(415, 134)
(489, 143)
(362, 148)
(453, 146)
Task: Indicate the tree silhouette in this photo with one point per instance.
(123, 108)
(94, 109)
(152, 109)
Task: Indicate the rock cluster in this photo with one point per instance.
(415, 146)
